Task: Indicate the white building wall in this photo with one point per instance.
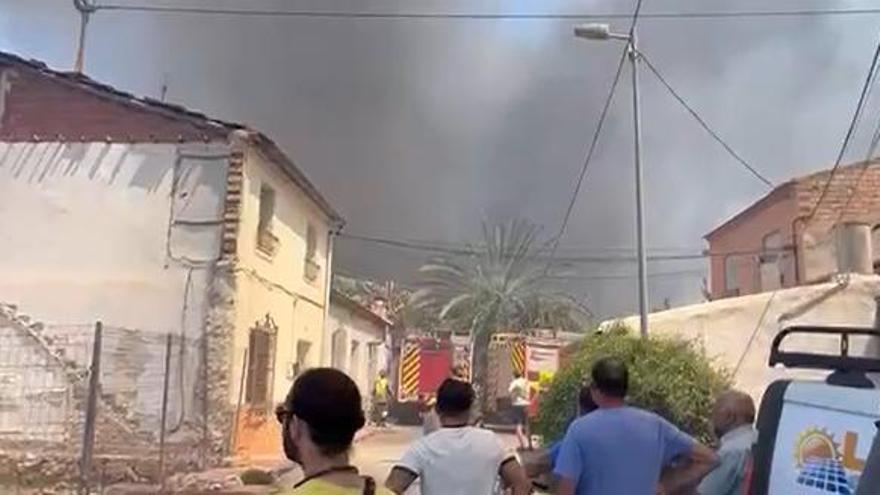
(348, 331)
(122, 233)
(738, 332)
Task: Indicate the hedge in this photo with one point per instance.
(671, 377)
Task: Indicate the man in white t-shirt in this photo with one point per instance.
(519, 399)
(458, 459)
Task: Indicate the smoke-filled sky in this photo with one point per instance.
(419, 129)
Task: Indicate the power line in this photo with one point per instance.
(595, 139)
(703, 123)
(872, 147)
(869, 79)
(754, 334)
(432, 247)
(625, 276)
(483, 16)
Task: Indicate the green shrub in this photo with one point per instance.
(667, 376)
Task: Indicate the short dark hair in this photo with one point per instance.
(454, 397)
(611, 377)
(585, 401)
(329, 402)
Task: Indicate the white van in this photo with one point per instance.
(815, 437)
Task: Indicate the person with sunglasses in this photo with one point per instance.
(319, 418)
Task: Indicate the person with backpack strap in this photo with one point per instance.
(319, 418)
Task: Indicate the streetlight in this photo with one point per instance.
(603, 32)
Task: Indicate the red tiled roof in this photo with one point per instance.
(166, 122)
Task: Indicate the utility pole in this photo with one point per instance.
(640, 190)
(85, 9)
(603, 32)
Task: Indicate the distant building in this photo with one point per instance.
(360, 341)
(150, 217)
(772, 243)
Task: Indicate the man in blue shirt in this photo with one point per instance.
(586, 405)
(619, 450)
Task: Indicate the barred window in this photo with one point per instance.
(261, 363)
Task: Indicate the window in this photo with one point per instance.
(337, 354)
(772, 247)
(731, 287)
(772, 275)
(354, 368)
(261, 363)
(311, 242)
(303, 348)
(311, 269)
(266, 240)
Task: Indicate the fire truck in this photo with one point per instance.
(535, 355)
(424, 362)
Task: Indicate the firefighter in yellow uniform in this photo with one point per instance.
(381, 397)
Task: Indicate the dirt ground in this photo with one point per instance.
(374, 455)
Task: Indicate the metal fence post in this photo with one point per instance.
(88, 444)
(168, 341)
(241, 386)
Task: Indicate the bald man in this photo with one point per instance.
(733, 416)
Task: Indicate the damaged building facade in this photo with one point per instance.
(154, 220)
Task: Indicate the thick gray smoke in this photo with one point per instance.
(421, 128)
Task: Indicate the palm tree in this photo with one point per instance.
(499, 285)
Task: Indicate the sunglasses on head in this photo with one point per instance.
(282, 414)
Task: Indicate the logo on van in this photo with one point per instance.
(825, 464)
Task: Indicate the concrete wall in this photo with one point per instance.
(347, 327)
(275, 285)
(725, 328)
(747, 236)
(123, 233)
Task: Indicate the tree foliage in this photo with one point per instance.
(398, 301)
(501, 286)
(670, 377)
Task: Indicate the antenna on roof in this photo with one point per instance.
(163, 92)
(85, 9)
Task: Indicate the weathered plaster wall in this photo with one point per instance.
(123, 233)
(346, 327)
(275, 286)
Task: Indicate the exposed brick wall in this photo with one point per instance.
(853, 196)
(743, 238)
(38, 106)
(860, 183)
(232, 205)
(220, 322)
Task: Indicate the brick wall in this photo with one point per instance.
(854, 187)
(38, 105)
(853, 196)
(741, 241)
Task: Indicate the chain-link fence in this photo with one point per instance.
(93, 405)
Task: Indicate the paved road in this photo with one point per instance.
(376, 454)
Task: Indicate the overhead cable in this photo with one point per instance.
(869, 79)
(623, 256)
(736, 156)
(595, 139)
(737, 14)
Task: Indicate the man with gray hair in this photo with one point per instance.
(733, 416)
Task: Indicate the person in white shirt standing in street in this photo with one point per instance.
(519, 398)
(458, 459)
